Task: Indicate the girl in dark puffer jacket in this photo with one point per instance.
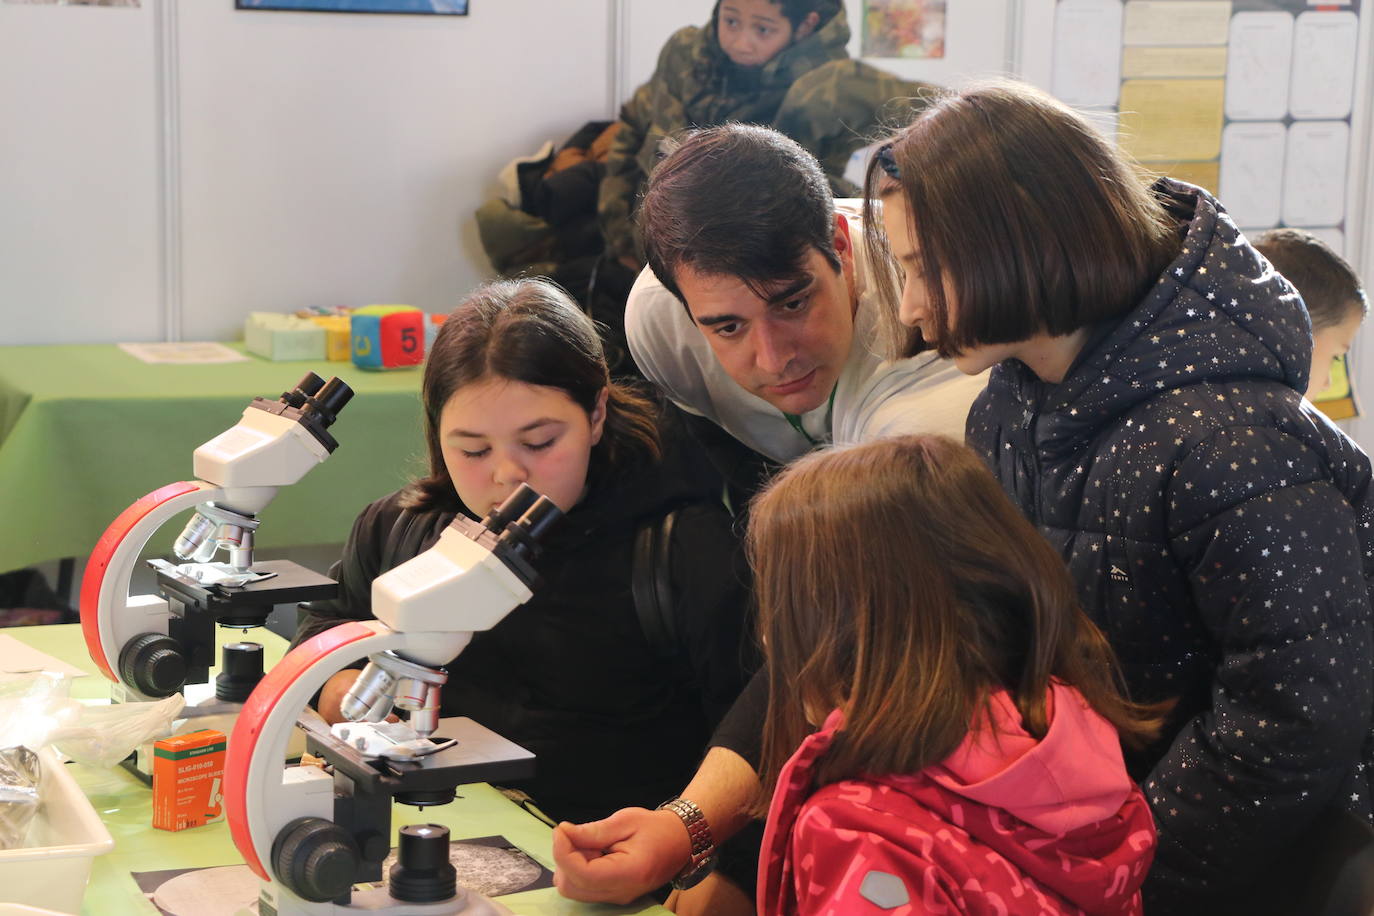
(1146, 413)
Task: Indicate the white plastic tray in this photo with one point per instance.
(66, 835)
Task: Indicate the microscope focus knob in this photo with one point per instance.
(315, 858)
(154, 664)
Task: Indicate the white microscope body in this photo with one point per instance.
(310, 835)
(131, 638)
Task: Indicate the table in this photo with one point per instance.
(87, 429)
(125, 807)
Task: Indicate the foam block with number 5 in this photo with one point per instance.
(388, 336)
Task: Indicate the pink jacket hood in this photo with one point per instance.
(1005, 824)
(1073, 777)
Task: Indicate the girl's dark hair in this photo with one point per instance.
(527, 331)
(1039, 222)
(896, 580)
(1326, 282)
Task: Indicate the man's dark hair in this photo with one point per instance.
(737, 200)
(1325, 281)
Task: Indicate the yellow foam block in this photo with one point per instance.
(338, 344)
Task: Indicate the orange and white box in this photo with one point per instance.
(187, 773)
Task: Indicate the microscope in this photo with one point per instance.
(151, 646)
(311, 834)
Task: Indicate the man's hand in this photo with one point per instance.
(629, 854)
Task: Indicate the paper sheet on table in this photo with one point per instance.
(16, 658)
(1314, 173)
(1087, 52)
(183, 352)
(1177, 22)
(1324, 45)
(1259, 71)
(1138, 63)
(1172, 120)
(1252, 172)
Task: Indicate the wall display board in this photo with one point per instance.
(1251, 99)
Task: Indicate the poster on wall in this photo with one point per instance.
(904, 28)
(441, 7)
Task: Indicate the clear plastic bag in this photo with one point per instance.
(102, 736)
(36, 710)
(32, 704)
(21, 776)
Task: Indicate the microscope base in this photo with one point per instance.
(468, 904)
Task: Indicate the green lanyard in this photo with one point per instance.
(795, 419)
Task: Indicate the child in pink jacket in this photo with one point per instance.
(969, 752)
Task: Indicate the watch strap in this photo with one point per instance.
(703, 844)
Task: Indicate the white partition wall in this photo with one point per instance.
(337, 159)
(79, 170)
(166, 169)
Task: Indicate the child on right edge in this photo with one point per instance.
(1335, 297)
(944, 722)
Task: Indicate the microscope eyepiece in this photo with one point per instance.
(326, 402)
(512, 508)
(309, 384)
(539, 517)
(521, 536)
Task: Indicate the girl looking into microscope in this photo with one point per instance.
(516, 390)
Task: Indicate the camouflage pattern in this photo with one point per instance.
(812, 91)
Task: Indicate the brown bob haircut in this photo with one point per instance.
(896, 580)
(738, 200)
(1039, 222)
(527, 331)
(1326, 282)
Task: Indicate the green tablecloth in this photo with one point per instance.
(125, 807)
(85, 430)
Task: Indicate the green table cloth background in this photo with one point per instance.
(85, 430)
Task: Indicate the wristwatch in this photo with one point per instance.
(703, 846)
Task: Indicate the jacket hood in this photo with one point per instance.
(828, 42)
(1062, 809)
(1073, 777)
(1219, 312)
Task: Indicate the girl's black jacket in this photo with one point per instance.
(570, 675)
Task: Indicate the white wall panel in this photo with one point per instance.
(78, 175)
(337, 159)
